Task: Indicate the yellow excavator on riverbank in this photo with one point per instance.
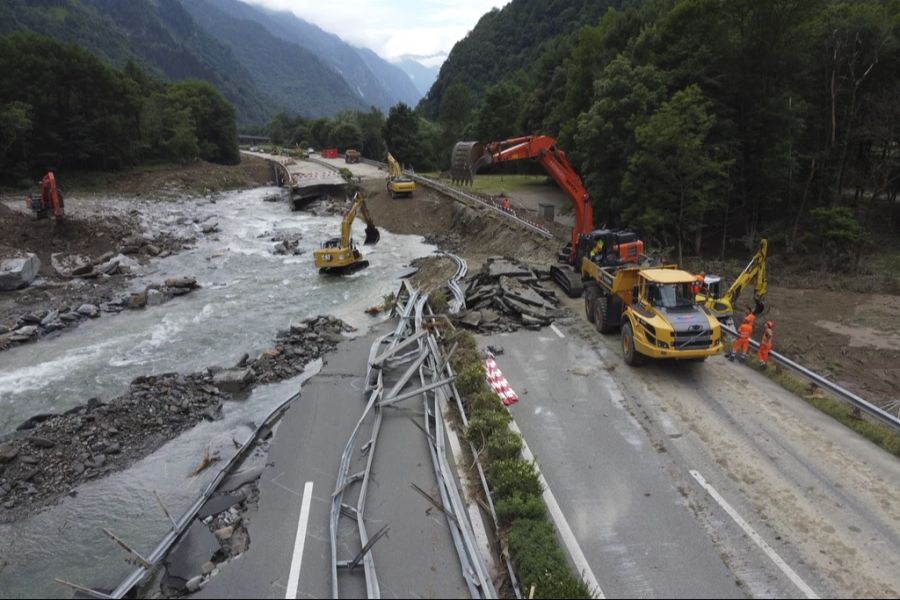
(340, 255)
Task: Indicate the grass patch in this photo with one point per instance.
(514, 483)
(499, 184)
(849, 416)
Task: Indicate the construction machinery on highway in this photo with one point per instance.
(722, 305)
(468, 157)
(652, 305)
(351, 156)
(398, 184)
(341, 255)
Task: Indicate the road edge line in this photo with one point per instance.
(562, 525)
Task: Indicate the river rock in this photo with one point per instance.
(40, 442)
(233, 380)
(194, 584)
(89, 310)
(7, 453)
(17, 273)
(52, 316)
(24, 333)
(138, 300)
(152, 250)
(181, 282)
(155, 297)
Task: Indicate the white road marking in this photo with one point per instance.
(559, 519)
(556, 330)
(770, 552)
(299, 542)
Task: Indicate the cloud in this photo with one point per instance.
(392, 27)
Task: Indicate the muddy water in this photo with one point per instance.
(248, 294)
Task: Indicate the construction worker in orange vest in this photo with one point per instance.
(505, 204)
(698, 284)
(765, 344)
(743, 340)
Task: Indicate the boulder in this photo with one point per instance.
(66, 265)
(7, 453)
(233, 380)
(17, 273)
(24, 333)
(89, 310)
(182, 282)
(155, 297)
(138, 300)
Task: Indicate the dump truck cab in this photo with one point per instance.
(663, 319)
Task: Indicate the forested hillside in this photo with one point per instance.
(160, 36)
(508, 40)
(61, 106)
(701, 122)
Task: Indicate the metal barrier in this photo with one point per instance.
(867, 407)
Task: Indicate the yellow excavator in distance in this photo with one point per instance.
(398, 184)
(339, 256)
(723, 305)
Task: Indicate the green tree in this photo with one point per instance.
(15, 120)
(675, 174)
(345, 135)
(401, 134)
(499, 115)
(214, 118)
(625, 97)
(371, 123)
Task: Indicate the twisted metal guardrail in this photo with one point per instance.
(459, 296)
(855, 400)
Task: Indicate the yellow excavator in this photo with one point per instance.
(339, 256)
(722, 305)
(398, 184)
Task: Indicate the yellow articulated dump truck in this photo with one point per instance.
(653, 307)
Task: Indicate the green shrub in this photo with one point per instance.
(484, 399)
(504, 443)
(483, 425)
(540, 563)
(513, 475)
(346, 173)
(519, 506)
(470, 379)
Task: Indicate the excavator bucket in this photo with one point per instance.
(759, 307)
(464, 161)
(372, 235)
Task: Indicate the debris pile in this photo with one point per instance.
(294, 348)
(49, 455)
(34, 325)
(506, 295)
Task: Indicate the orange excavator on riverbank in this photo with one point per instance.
(50, 198)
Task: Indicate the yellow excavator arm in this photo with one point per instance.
(394, 169)
(359, 204)
(754, 273)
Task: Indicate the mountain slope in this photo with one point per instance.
(158, 34)
(509, 39)
(291, 75)
(348, 61)
(423, 76)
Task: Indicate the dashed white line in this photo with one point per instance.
(299, 542)
(559, 519)
(556, 330)
(770, 552)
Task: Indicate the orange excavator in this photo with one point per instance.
(50, 198)
(468, 157)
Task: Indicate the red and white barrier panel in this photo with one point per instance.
(498, 382)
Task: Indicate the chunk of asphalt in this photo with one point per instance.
(236, 480)
(219, 503)
(196, 547)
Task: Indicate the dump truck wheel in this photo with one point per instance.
(590, 295)
(633, 358)
(605, 307)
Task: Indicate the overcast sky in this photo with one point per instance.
(392, 27)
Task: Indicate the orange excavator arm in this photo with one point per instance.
(552, 158)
